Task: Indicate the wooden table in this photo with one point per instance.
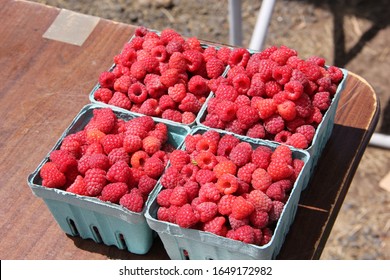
(43, 85)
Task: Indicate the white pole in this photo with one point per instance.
(380, 140)
(235, 23)
(262, 23)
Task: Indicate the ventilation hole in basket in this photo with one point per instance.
(72, 226)
(96, 233)
(122, 241)
(185, 254)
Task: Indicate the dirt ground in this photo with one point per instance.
(354, 34)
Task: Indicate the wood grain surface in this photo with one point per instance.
(44, 84)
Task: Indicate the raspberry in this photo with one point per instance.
(225, 204)
(241, 83)
(209, 192)
(186, 216)
(241, 208)
(297, 165)
(127, 57)
(226, 92)
(160, 53)
(178, 61)
(261, 156)
(256, 131)
(170, 178)
(227, 184)
(93, 148)
(198, 86)
(146, 184)
(151, 144)
(267, 236)
(177, 92)
(169, 77)
(132, 201)
(282, 74)
(299, 76)
(265, 69)
(276, 210)
(172, 115)
(226, 144)
(204, 176)
(209, 52)
(272, 88)
(71, 145)
(265, 54)
(78, 186)
(192, 190)
(112, 141)
(239, 56)
(206, 144)
(243, 100)
(294, 90)
(163, 214)
(120, 172)
(260, 200)
(321, 100)
(282, 136)
(335, 73)
(51, 176)
(163, 197)
(266, 108)
(188, 118)
(168, 35)
(324, 84)
(236, 223)
(241, 154)
(207, 211)
(298, 140)
(103, 94)
(160, 132)
(140, 126)
(276, 192)
(87, 162)
(283, 153)
(138, 159)
(113, 192)
(148, 61)
(206, 160)
(119, 99)
(259, 218)
(261, 180)
(64, 160)
(178, 196)
(194, 59)
(216, 226)
(94, 135)
(179, 158)
(236, 127)
(154, 86)
(244, 173)
(190, 142)
(107, 80)
(103, 119)
(194, 44)
(213, 136)
(287, 110)
(214, 67)
(279, 169)
(223, 54)
(154, 167)
(316, 116)
(212, 120)
(225, 167)
(281, 55)
(95, 180)
(132, 143)
(137, 93)
(245, 234)
(189, 172)
(247, 115)
(295, 123)
(190, 104)
(253, 64)
(317, 60)
(122, 84)
(274, 124)
(226, 110)
(310, 69)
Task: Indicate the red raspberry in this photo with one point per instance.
(294, 90)
(239, 56)
(241, 83)
(146, 184)
(204, 176)
(190, 104)
(194, 60)
(94, 135)
(160, 53)
(103, 95)
(297, 165)
(120, 100)
(244, 173)
(272, 88)
(226, 92)
(214, 67)
(127, 57)
(188, 118)
(274, 124)
(266, 108)
(216, 226)
(317, 60)
(259, 218)
(207, 211)
(198, 86)
(212, 120)
(225, 204)
(247, 115)
(103, 119)
(279, 169)
(236, 223)
(321, 100)
(120, 172)
(236, 127)
(148, 61)
(298, 140)
(226, 110)
(245, 234)
(95, 180)
(282, 136)
(241, 154)
(287, 110)
(178, 61)
(186, 216)
(281, 55)
(256, 131)
(112, 141)
(283, 153)
(154, 167)
(137, 70)
(132, 201)
(276, 210)
(122, 84)
(310, 69)
(87, 162)
(168, 35)
(212, 135)
(107, 79)
(253, 64)
(169, 77)
(163, 214)
(151, 144)
(51, 176)
(260, 200)
(299, 76)
(163, 197)
(132, 143)
(154, 86)
(189, 172)
(140, 126)
(282, 74)
(276, 192)
(78, 186)
(137, 93)
(265, 69)
(243, 100)
(225, 167)
(226, 144)
(264, 54)
(206, 160)
(209, 52)
(190, 142)
(170, 178)
(117, 155)
(138, 159)
(324, 84)
(172, 115)
(192, 190)
(267, 236)
(261, 180)
(209, 192)
(206, 144)
(241, 208)
(227, 184)
(64, 160)
(113, 192)
(177, 92)
(223, 54)
(335, 73)
(71, 145)
(193, 44)
(178, 196)
(179, 158)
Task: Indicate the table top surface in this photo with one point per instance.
(44, 83)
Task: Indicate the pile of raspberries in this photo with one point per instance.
(273, 95)
(225, 186)
(114, 160)
(163, 75)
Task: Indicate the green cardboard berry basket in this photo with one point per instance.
(323, 131)
(182, 243)
(91, 218)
